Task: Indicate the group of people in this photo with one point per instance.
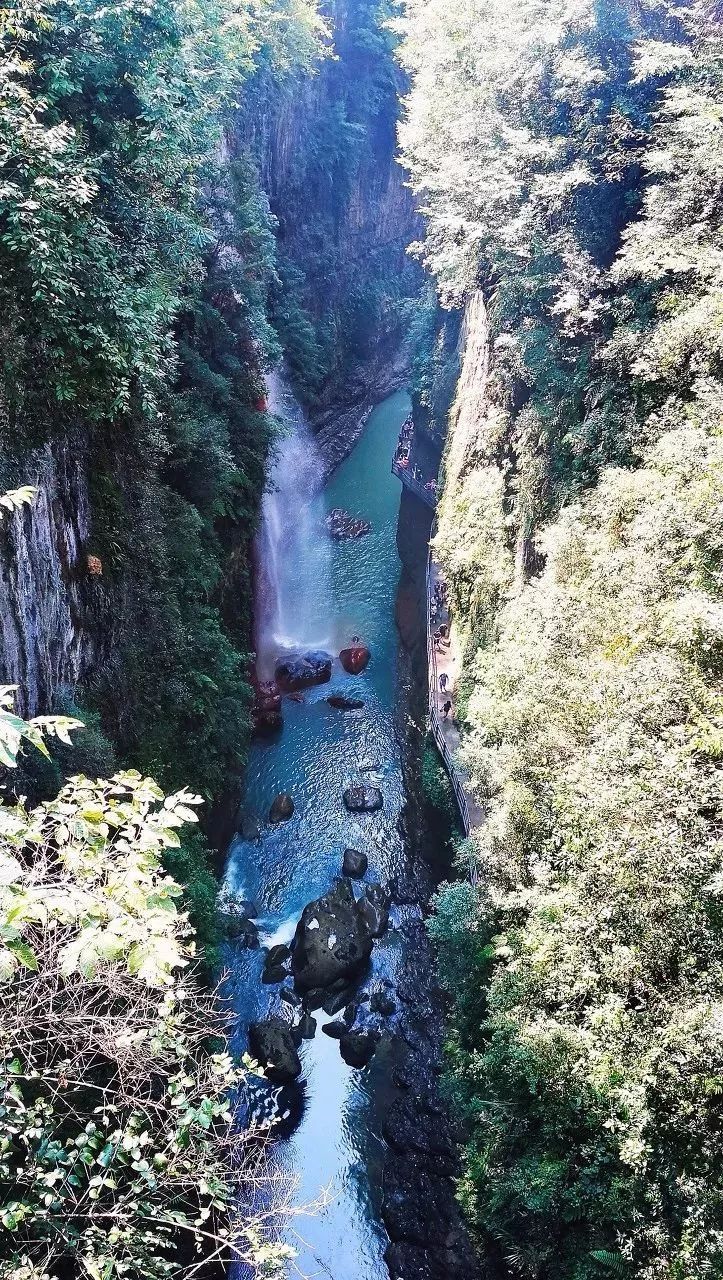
(403, 458)
(441, 638)
(439, 600)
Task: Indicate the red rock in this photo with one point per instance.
(354, 659)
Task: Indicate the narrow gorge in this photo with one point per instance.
(361, 639)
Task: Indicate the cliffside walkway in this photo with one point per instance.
(416, 464)
(446, 660)
(413, 465)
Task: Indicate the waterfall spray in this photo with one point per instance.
(293, 605)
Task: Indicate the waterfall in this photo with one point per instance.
(293, 553)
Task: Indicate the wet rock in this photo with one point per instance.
(335, 1029)
(273, 974)
(361, 799)
(301, 670)
(355, 659)
(342, 703)
(374, 907)
(249, 828)
(247, 908)
(289, 996)
(357, 1047)
(355, 863)
(307, 1027)
(277, 954)
(336, 1001)
(375, 918)
(381, 1002)
(266, 715)
(272, 1044)
(282, 808)
(239, 929)
(314, 998)
(350, 1013)
(332, 940)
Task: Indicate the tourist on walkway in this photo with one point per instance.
(447, 708)
(443, 681)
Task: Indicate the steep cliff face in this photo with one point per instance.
(326, 147)
(49, 601)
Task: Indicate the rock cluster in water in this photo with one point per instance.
(342, 525)
(329, 953)
(266, 715)
(302, 670)
(362, 799)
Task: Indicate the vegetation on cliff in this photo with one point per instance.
(569, 158)
(119, 1151)
(136, 260)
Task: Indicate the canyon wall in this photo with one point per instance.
(49, 602)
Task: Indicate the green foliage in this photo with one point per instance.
(14, 731)
(570, 158)
(119, 1152)
(436, 785)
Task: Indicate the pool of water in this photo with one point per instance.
(337, 1145)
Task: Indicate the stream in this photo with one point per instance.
(323, 592)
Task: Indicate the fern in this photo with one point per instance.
(614, 1262)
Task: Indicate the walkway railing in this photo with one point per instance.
(435, 724)
(416, 486)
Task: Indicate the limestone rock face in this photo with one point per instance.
(272, 1044)
(301, 670)
(332, 940)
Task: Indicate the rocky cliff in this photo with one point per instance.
(326, 148)
(49, 600)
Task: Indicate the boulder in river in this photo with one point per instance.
(375, 917)
(342, 703)
(277, 954)
(335, 1029)
(357, 1047)
(282, 808)
(266, 714)
(355, 863)
(332, 940)
(272, 1044)
(361, 799)
(307, 1026)
(273, 974)
(239, 928)
(355, 659)
(301, 670)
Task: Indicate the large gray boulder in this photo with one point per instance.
(301, 670)
(332, 940)
(272, 1044)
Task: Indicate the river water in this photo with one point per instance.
(337, 1144)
